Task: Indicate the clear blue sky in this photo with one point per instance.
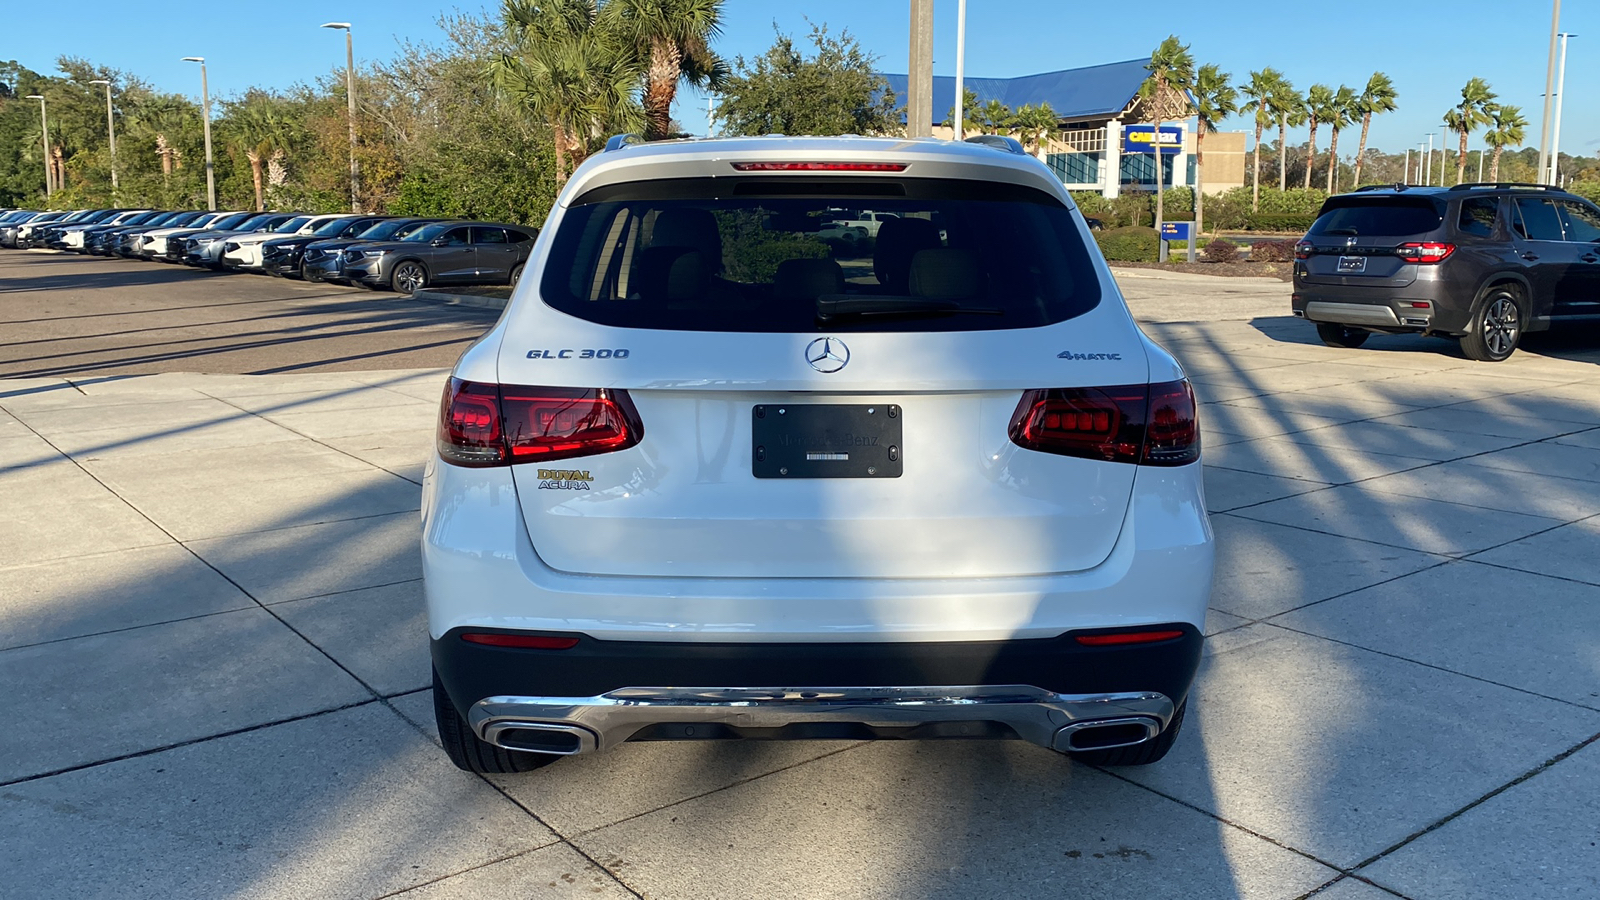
(1429, 56)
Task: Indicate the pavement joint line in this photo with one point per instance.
(473, 868)
(342, 591)
(1265, 619)
(561, 838)
(1426, 665)
(176, 745)
(314, 440)
(1547, 764)
(61, 640)
(1314, 892)
(854, 745)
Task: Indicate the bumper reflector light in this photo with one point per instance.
(522, 641)
(1126, 637)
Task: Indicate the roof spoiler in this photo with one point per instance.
(1397, 186)
(997, 141)
(618, 141)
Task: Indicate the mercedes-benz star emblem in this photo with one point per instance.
(827, 354)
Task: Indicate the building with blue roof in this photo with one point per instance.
(1098, 110)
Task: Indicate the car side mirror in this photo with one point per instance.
(440, 242)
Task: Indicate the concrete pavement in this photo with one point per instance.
(211, 627)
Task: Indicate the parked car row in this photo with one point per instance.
(405, 254)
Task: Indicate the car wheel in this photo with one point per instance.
(474, 755)
(1140, 754)
(516, 275)
(409, 277)
(1496, 329)
(1335, 335)
(305, 274)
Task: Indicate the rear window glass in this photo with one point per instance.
(774, 255)
(1386, 216)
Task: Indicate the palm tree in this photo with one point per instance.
(1214, 100)
(572, 69)
(969, 112)
(261, 127)
(1166, 94)
(1341, 113)
(995, 117)
(1506, 129)
(673, 37)
(1379, 97)
(1291, 110)
(1262, 87)
(1034, 123)
(1319, 109)
(1466, 117)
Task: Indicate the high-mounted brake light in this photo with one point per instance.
(521, 641)
(497, 425)
(1151, 425)
(1425, 253)
(818, 167)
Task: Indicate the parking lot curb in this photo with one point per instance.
(480, 301)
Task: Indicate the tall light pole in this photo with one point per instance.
(1407, 176)
(350, 94)
(111, 134)
(1549, 92)
(205, 105)
(1427, 169)
(919, 88)
(1561, 94)
(44, 128)
(959, 132)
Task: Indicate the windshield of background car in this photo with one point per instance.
(291, 226)
(775, 255)
(391, 229)
(232, 221)
(430, 231)
(331, 228)
(1388, 216)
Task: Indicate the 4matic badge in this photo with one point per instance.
(1068, 354)
(564, 479)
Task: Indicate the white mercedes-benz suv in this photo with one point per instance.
(714, 476)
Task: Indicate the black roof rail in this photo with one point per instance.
(1397, 186)
(618, 141)
(1504, 184)
(997, 141)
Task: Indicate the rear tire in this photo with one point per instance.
(516, 275)
(1335, 335)
(471, 754)
(1140, 754)
(1496, 328)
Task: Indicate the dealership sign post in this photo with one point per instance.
(1179, 231)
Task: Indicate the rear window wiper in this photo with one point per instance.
(836, 306)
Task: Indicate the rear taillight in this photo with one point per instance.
(1151, 425)
(1425, 253)
(1304, 249)
(497, 425)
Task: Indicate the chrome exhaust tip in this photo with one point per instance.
(540, 737)
(1106, 734)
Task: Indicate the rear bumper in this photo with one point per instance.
(1421, 306)
(1046, 691)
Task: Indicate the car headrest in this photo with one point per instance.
(947, 273)
(897, 242)
(671, 274)
(807, 279)
(692, 228)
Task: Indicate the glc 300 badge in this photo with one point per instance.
(827, 355)
(1068, 354)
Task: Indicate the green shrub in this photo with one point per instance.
(1130, 244)
(1221, 250)
(1283, 222)
(1272, 251)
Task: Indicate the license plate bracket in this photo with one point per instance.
(827, 440)
(1352, 265)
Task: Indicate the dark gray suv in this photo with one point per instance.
(1482, 262)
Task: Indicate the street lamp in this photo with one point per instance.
(44, 127)
(1549, 91)
(205, 103)
(350, 94)
(1561, 94)
(1427, 169)
(960, 131)
(111, 133)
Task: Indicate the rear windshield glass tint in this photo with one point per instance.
(1378, 216)
(798, 255)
